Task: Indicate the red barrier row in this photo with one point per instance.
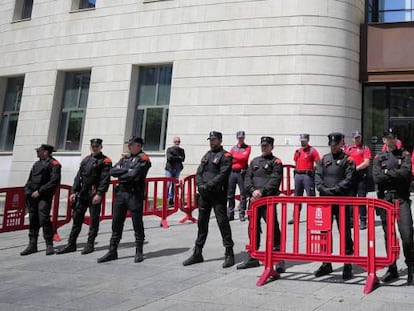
(319, 234)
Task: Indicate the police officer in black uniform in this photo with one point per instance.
(334, 177)
(43, 180)
(212, 180)
(131, 171)
(263, 178)
(90, 184)
(392, 174)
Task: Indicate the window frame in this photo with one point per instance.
(20, 8)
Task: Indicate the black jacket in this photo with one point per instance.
(44, 177)
(175, 159)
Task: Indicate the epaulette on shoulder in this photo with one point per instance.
(145, 157)
(406, 152)
(55, 162)
(278, 161)
(351, 159)
(227, 154)
(376, 156)
(107, 160)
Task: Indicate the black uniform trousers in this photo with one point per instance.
(216, 201)
(405, 226)
(39, 216)
(262, 211)
(85, 201)
(134, 203)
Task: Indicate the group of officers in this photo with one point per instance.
(341, 172)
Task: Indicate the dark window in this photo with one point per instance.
(27, 9)
(390, 11)
(86, 4)
(10, 115)
(75, 98)
(153, 101)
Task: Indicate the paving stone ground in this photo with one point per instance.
(76, 282)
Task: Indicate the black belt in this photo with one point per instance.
(236, 171)
(304, 172)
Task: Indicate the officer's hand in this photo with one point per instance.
(257, 194)
(72, 197)
(96, 199)
(35, 194)
(322, 190)
(202, 189)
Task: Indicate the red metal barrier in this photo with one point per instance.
(15, 210)
(319, 234)
(188, 204)
(286, 186)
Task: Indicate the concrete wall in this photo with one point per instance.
(269, 67)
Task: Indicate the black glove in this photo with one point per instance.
(202, 189)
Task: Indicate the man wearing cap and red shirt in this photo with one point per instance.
(131, 171)
(392, 174)
(90, 184)
(212, 180)
(361, 154)
(43, 181)
(306, 158)
(241, 154)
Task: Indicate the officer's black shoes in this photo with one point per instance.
(324, 269)
(170, 203)
(347, 272)
(228, 258)
(281, 267)
(242, 218)
(410, 272)
(363, 224)
(110, 255)
(139, 256)
(291, 222)
(196, 257)
(248, 263)
(89, 248)
(69, 248)
(390, 275)
(50, 250)
(30, 249)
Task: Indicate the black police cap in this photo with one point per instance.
(214, 134)
(266, 140)
(135, 139)
(240, 134)
(389, 133)
(46, 147)
(96, 142)
(304, 136)
(334, 139)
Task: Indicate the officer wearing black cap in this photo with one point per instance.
(43, 181)
(334, 177)
(90, 184)
(263, 179)
(212, 180)
(131, 172)
(392, 174)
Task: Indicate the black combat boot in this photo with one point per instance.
(249, 262)
(281, 266)
(391, 274)
(69, 248)
(50, 250)
(31, 248)
(89, 248)
(112, 254)
(139, 256)
(196, 257)
(324, 269)
(228, 257)
(410, 272)
(347, 271)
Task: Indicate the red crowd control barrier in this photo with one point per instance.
(319, 243)
(188, 202)
(15, 210)
(287, 187)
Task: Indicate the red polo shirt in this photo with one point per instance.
(241, 154)
(305, 158)
(358, 153)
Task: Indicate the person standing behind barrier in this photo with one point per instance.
(392, 174)
(306, 158)
(212, 180)
(174, 166)
(263, 179)
(131, 172)
(241, 154)
(90, 184)
(361, 154)
(334, 177)
(43, 181)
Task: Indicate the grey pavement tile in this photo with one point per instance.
(28, 307)
(202, 293)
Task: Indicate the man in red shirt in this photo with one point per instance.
(306, 159)
(241, 154)
(361, 154)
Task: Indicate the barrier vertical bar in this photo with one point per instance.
(372, 279)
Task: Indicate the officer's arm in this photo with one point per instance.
(116, 170)
(345, 184)
(319, 183)
(248, 179)
(378, 172)
(105, 177)
(200, 170)
(77, 182)
(225, 169)
(272, 186)
(27, 189)
(54, 181)
(182, 155)
(139, 171)
(404, 172)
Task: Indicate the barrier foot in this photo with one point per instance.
(371, 283)
(188, 217)
(56, 237)
(267, 273)
(164, 224)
